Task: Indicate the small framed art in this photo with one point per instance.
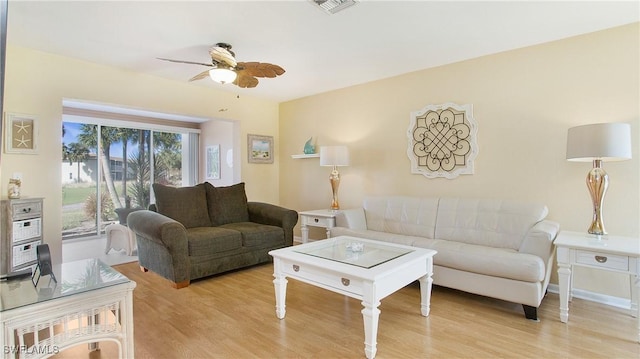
(21, 133)
(260, 149)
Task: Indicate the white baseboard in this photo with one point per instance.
(595, 297)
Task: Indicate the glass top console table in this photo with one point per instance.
(89, 302)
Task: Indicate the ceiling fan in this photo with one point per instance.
(225, 68)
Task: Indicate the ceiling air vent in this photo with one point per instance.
(333, 6)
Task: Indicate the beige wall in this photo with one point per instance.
(37, 82)
(524, 101)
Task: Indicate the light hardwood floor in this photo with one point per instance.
(233, 316)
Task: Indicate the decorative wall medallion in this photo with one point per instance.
(442, 140)
(21, 133)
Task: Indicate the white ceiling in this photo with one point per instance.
(320, 52)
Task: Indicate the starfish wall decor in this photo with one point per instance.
(20, 133)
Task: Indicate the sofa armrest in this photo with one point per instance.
(539, 239)
(160, 229)
(273, 215)
(352, 218)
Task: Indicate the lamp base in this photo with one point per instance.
(334, 179)
(597, 183)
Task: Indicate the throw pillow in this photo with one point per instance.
(187, 205)
(227, 204)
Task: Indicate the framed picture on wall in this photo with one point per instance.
(260, 149)
(212, 157)
(21, 133)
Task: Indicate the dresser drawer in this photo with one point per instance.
(603, 260)
(22, 210)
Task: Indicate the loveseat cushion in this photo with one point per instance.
(187, 205)
(205, 241)
(257, 235)
(226, 204)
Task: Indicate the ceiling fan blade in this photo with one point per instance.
(185, 62)
(260, 69)
(245, 80)
(200, 76)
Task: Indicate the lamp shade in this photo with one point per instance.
(334, 156)
(222, 75)
(601, 141)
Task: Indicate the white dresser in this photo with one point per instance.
(20, 234)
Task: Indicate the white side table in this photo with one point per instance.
(92, 302)
(323, 218)
(611, 253)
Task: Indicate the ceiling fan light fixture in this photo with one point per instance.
(222, 75)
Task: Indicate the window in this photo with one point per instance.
(117, 170)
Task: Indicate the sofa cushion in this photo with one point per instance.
(227, 204)
(257, 235)
(204, 241)
(495, 262)
(490, 261)
(493, 223)
(411, 216)
(187, 205)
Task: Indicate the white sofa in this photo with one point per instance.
(496, 248)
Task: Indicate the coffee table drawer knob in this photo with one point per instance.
(346, 282)
(601, 259)
(296, 268)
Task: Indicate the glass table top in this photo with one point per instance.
(353, 252)
(72, 278)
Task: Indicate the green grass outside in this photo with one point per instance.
(76, 194)
(75, 216)
(73, 219)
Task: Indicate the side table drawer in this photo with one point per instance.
(603, 260)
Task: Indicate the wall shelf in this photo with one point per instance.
(313, 155)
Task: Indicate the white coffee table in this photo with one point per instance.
(370, 274)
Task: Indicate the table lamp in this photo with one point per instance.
(597, 143)
(334, 156)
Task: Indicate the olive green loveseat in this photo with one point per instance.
(194, 232)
